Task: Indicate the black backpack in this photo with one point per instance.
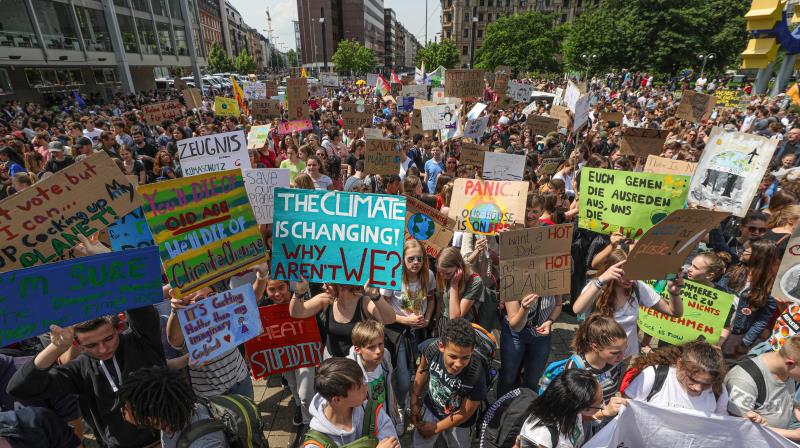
(749, 366)
(661, 377)
(503, 421)
(236, 415)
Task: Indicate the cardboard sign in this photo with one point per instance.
(502, 166)
(257, 137)
(464, 83)
(158, 112)
(193, 98)
(695, 107)
(260, 184)
(473, 154)
(441, 117)
(550, 165)
(41, 224)
(73, 291)
(179, 84)
(130, 232)
(562, 114)
(662, 165)
(787, 283)
(541, 125)
(642, 142)
(204, 227)
(373, 133)
(338, 237)
(663, 249)
(383, 156)
(519, 92)
(356, 115)
(297, 98)
(616, 117)
(226, 107)
(271, 88)
(501, 79)
(416, 120)
(437, 95)
(329, 80)
(287, 127)
(286, 344)
(705, 311)
(213, 153)
(265, 110)
(486, 207)
(730, 170)
(535, 260)
(219, 323)
(419, 92)
(419, 104)
(429, 226)
(474, 129)
(627, 202)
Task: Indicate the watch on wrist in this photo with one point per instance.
(599, 283)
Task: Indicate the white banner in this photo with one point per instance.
(581, 112)
(476, 110)
(572, 96)
(329, 80)
(260, 184)
(213, 153)
(502, 166)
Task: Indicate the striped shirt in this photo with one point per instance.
(218, 376)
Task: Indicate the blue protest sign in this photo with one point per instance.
(219, 323)
(337, 237)
(73, 291)
(407, 104)
(130, 232)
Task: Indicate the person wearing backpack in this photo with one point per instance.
(342, 416)
(690, 376)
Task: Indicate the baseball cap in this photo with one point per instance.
(55, 147)
(83, 141)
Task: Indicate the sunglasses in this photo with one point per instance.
(413, 258)
(753, 229)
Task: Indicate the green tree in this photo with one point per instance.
(434, 54)
(244, 63)
(352, 57)
(525, 42)
(291, 57)
(218, 61)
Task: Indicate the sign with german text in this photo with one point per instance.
(642, 142)
(535, 260)
(695, 106)
(663, 165)
(728, 98)
(266, 109)
(297, 98)
(487, 207)
(260, 184)
(158, 112)
(463, 83)
(213, 153)
(383, 156)
(429, 226)
(286, 344)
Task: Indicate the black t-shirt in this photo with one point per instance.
(147, 150)
(781, 240)
(55, 166)
(447, 392)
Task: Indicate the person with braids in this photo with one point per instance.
(687, 377)
(162, 399)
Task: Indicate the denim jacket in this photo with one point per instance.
(753, 324)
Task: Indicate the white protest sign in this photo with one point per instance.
(475, 128)
(373, 133)
(571, 97)
(329, 80)
(443, 116)
(529, 109)
(419, 92)
(559, 98)
(502, 166)
(213, 153)
(476, 111)
(519, 92)
(254, 90)
(581, 112)
(437, 94)
(260, 184)
(372, 79)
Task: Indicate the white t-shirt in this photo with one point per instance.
(94, 135)
(411, 294)
(673, 395)
(534, 435)
(322, 183)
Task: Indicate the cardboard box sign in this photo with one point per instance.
(158, 112)
(642, 142)
(264, 110)
(535, 260)
(193, 98)
(464, 83)
(695, 107)
(297, 98)
(356, 116)
(611, 116)
(383, 156)
(473, 154)
(541, 125)
(562, 114)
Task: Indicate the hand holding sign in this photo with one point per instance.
(91, 246)
(62, 338)
(674, 286)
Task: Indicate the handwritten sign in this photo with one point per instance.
(130, 232)
(464, 83)
(473, 154)
(486, 207)
(213, 153)
(355, 115)
(73, 291)
(337, 237)
(730, 170)
(695, 107)
(204, 227)
(541, 125)
(441, 117)
(501, 79)
(562, 114)
(728, 98)
(226, 107)
(627, 202)
(265, 109)
(297, 98)
(254, 90)
(535, 260)
(257, 137)
(705, 311)
(787, 283)
(158, 112)
(41, 224)
(642, 142)
(416, 91)
(550, 165)
(502, 166)
(329, 80)
(663, 249)
(662, 165)
(572, 95)
(288, 127)
(260, 184)
(193, 98)
(219, 323)
(616, 117)
(179, 84)
(474, 129)
(519, 92)
(271, 88)
(429, 226)
(383, 156)
(286, 344)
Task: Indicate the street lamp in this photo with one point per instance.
(324, 39)
(588, 59)
(472, 42)
(705, 58)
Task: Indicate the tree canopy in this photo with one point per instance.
(244, 63)
(352, 57)
(218, 60)
(434, 54)
(525, 42)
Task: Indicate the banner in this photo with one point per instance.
(286, 344)
(502, 166)
(73, 291)
(730, 170)
(541, 125)
(337, 237)
(204, 227)
(694, 106)
(627, 202)
(662, 165)
(441, 117)
(297, 98)
(665, 247)
(487, 207)
(535, 260)
(463, 83)
(519, 92)
(787, 283)
(226, 107)
(642, 142)
(473, 154)
(355, 115)
(260, 184)
(429, 226)
(383, 156)
(419, 92)
(550, 165)
(213, 153)
(582, 108)
(193, 98)
(728, 98)
(130, 232)
(219, 323)
(158, 112)
(265, 110)
(287, 127)
(474, 129)
(41, 224)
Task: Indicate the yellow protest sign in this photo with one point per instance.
(226, 107)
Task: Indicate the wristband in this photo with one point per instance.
(599, 284)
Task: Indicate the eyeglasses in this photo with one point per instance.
(413, 258)
(753, 229)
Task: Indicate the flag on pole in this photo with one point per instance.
(303, 73)
(239, 95)
(420, 77)
(395, 78)
(382, 87)
(794, 94)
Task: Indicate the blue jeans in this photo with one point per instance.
(244, 387)
(521, 351)
(402, 374)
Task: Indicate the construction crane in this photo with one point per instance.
(271, 39)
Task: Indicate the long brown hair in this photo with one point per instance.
(696, 356)
(605, 303)
(597, 330)
(450, 257)
(761, 271)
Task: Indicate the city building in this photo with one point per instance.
(412, 45)
(389, 37)
(237, 40)
(462, 18)
(52, 47)
(210, 23)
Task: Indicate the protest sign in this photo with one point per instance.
(429, 226)
(257, 137)
(502, 166)
(419, 92)
(663, 249)
(474, 129)
(372, 79)
(662, 165)
(501, 79)
(550, 165)
(179, 84)
(338, 237)
(562, 114)
(443, 116)
(396, 88)
(705, 311)
(287, 127)
(213, 153)
(219, 323)
(728, 98)
(158, 112)
(204, 227)
(226, 107)
(383, 156)
(329, 80)
(730, 170)
(130, 232)
(473, 154)
(535, 260)
(530, 108)
(695, 106)
(264, 110)
(571, 96)
(406, 104)
(271, 88)
(41, 224)
(297, 98)
(416, 121)
(419, 104)
(286, 344)
(356, 115)
(642, 142)
(254, 90)
(476, 111)
(541, 125)
(437, 95)
(373, 133)
(627, 202)
(787, 283)
(463, 83)
(519, 92)
(193, 98)
(260, 184)
(582, 108)
(73, 291)
(486, 207)
(616, 117)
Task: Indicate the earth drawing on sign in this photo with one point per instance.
(421, 226)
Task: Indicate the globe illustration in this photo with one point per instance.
(421, 226)
(483, 215)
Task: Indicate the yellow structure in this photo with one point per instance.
(759, 53)
(763, 14)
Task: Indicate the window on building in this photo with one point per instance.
(164, 39)
(490, 3)
(175, 9)
(465, 50)
(466, 17)
(5, 83)
(140, 5)
(480, 3)
(126, 29)
(180, 41)
(71, 77)
(566, 3)
(466, 32)
(120, 3)
(146, 37)
(480, 17)
(480, 34)
(159, 7)
(17, 28)
(449, 34)
(55, 20)
(488, 17)
(93, 27)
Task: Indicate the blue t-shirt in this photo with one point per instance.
(432, 171)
